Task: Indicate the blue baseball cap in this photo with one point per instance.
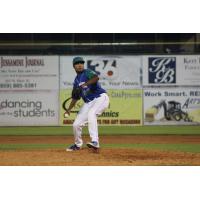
(78, 60)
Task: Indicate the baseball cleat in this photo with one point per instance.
(73, 147)
(94, 145)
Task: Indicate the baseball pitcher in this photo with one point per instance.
(87, 87)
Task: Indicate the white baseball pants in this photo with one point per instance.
(88, 114)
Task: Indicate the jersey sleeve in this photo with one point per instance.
(90, 74)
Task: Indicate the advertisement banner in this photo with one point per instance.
(183, 70)
(29, 73)
(125, 108)
(29, 108)
(115, 72)
(171, 106)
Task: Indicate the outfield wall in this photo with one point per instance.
(171, 90)
(33, 88)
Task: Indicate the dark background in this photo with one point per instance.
(83, 43)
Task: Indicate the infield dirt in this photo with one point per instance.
(106, 157)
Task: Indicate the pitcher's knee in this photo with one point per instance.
(76, 125)
(91, 114)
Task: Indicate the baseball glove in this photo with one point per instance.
(76, 93)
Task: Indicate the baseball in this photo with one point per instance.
(66, 115)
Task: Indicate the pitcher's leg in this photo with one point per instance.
(78, 124)
(92, 125)
(99, 106)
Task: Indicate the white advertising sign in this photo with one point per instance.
(183, 70)
(171, 106)
(115, 72)
(29, 73)
(29, 108)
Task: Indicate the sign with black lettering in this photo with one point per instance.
(28, 108)
(29, 73)
(115, 72)
(125, 108)
(171, 106)
(183, 70)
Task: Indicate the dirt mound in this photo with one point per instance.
(106, 157)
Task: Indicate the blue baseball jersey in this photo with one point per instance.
(89, 92)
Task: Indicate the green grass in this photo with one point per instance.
(31, 146)
(193, 148)
(104, 130)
